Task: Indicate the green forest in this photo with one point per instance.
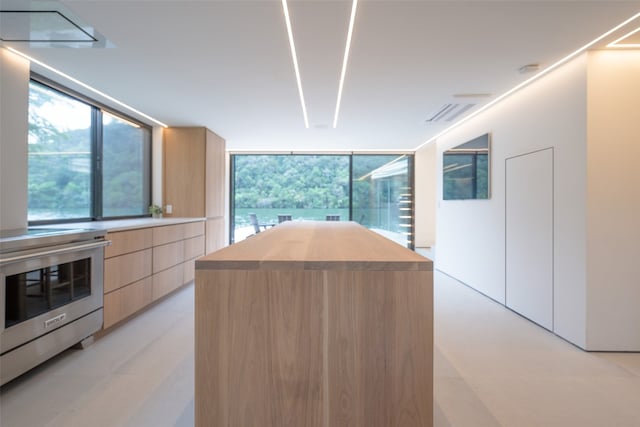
(282, 181)
(60, 164)
(312, 186)
(305, 181)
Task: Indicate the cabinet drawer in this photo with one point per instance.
(168, 255)
(167, 234)
(193, 229)
(123, 242)
(167, 281)
(125, 269)
(193, 248)
(125, 301)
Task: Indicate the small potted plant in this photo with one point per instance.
(155, 211)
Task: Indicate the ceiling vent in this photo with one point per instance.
(449, 112)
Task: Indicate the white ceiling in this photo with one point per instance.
(227, 65)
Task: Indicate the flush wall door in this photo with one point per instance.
(529, 236)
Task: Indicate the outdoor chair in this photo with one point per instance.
(333, 217)
(253, 219)
(282, 218)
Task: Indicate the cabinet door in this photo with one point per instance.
(529, 236)
(184, 171)
(215, 175)
(215, 236)
(126, 301)
(124, 242)
(125, 269)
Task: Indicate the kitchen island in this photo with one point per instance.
(314, 324)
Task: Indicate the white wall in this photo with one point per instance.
(156, 165)
(14, 107)
(425, 186)
(613, 293)
(470, 245)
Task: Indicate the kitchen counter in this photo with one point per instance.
(314, 324)
(124, 224)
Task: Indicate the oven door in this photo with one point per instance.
(44, 290)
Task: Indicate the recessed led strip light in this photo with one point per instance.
(530, 80)
(345, 60)
(292, 45)
(86, 86)
(616, 43)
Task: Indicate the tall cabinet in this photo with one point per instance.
(193, 179)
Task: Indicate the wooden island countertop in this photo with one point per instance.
(314, 324)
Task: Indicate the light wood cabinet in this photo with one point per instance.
(143, 265)
(124, 302)
(131, 241)
(167, 281)
(194, 177)
(122, 270)
(168, 255)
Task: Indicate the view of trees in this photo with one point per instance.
(374, 189)
(283, 181)
(123, 171)
(61, 157)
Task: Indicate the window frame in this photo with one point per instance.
(351, 156)
(96, 132)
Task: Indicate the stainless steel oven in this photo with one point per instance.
(51, 294)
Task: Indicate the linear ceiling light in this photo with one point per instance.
(530, 80)
(292, 45)
(345, 61)
(86, 86)
(616, 43)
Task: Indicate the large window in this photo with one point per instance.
(373, 190)
(383, 196)
(84, 162)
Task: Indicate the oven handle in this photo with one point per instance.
(67, 249)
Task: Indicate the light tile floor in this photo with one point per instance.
(492, 368)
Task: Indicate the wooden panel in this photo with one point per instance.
(194, 247)
(188, 271)
(215, 175)
(168, 255)
(380, 342)
(123, 242)
(167, 281)
(215, 236)
(125, 269)
(184, 170)
(262, 364)
(125, 301)
(168, 234)
(193, 229)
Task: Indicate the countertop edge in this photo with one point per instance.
(114, 225)
(352, 265)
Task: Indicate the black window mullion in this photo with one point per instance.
(232, 198)
(97, 151)
(351, 187)
(412, 183)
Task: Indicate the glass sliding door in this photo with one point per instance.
(268, 189)
(373, 190)
(382, 195)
